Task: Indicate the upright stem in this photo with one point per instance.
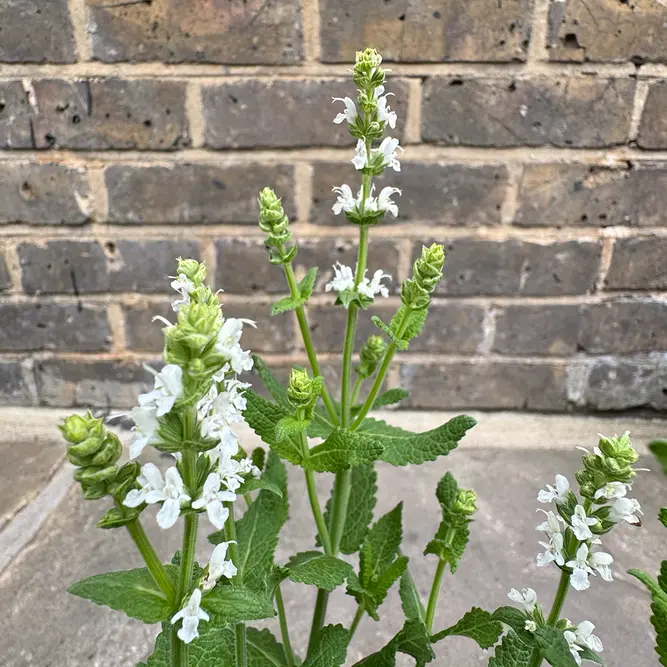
(284, 632)
(435, 592)
(241, 645)
(319, 616)
(239, 629)
(355, 621)
(355, 392)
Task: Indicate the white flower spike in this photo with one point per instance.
(580, 569)
(527, 598)
(582, 637)
(360, 158)
(601, 561)
(554, 548)
(218, 566)
(350, 114)
(184, 286)
(385, 114)
(228, 344)
(345, 200)
(343, 279)
(167, 390)
(557, 493)
(191, 614)
(174, 497)
(212, 498)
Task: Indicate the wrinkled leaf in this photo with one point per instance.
(231, 604)
(316, 569)
(411, 602)
(343, 449)
(478, 625)
(553, 647)
(511, 652)
(330, 648)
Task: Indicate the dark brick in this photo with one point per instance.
(53, 326)
(80, 267)
(14, 390)
(431, 30)
(624, 327)
(193, 193)
(612, 383)
(606, 31)
(36, 31)
(485, 385)
(638, 263)
(545, 330)
(100, 114)
(448, 194)
(102, 384)
(284, 112)
(582, 195)
(43, 194)
(451, 328)
(5, 278)
(272, 335)
(236, 255)
(250, 33)
(653, 128)
(583, 112)
(513, 267)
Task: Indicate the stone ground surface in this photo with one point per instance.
(48, 540)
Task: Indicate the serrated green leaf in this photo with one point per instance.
(662, 516)
(286, 304)
(386, 657)
(385, 538)
(516, 620)
(133, 592)
(478, 625)
(307, 284)
(659, 609)
(232, 604)
(389, 397)
(400, 344)
(411, 601)
(659, 450)
(271, 383)
(553, 647)
(253, 484)
(662, 577)
(413, 640)
(403, 447)
(290, 427)
(414, 325)
(386, 580)
(263, 417)
(316, 569)
(587, 654)
(330, 649)
(343, 449)
(321, 425)
(449, 548)
(511, 652)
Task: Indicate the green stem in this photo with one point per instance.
(239, 629)
(355, 622)
(357, 388)
(241, 645)
(318, 617)
(284, 631)
(435, 592)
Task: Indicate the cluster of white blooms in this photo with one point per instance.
(344, 280)
(384, 113)
(388, 150)
(347, 202)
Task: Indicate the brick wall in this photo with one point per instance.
(536, 149)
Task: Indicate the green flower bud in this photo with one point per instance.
(192, 269)
(94, 474)
(370, 355)
(300, 388)
(110, 451)
(619, 449)
(198, 324)
(465, 501)
(427, 272)
(367, 60)
(76, 428)
(94, 491)
(274, 222)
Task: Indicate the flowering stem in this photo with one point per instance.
(284, 632)
(239, 628)
(355, 392)
(435, 592)
(355, 622)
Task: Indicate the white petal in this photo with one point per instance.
(188, 631)
(153, 474)
(217, 514)
(173, 478)
(579, 579)
(212, 483)
(169, 513)
(134, 498)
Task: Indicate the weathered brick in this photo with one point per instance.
(36, 31)
(448, 194)
(653, 128)
(5, 278)
(432, 30)
(14, 389)
(451, 328)
(94, 114)
(101, 384)
(284, 112)
(251, 32)
(80, 267)
(613, 383)
(624, 327)
(485, 385)
(583, 112)
(273, 334)
(583, 195)
(607, 31)
(638, 263)
(39, 194)
(194, 193)
(236, 255)
(513, 267)
(53, 326)
(545, 330)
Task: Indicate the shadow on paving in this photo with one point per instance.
(42, 625)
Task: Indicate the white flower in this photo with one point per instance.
(228, 344)
(586, 563)
(554, 548)
(230, 471)
(612, 491)
(218, 566)
(581, 637)
(581, 523)
(527, 598)
(601, 561)
(343, 279)
(212, 498)
(388, 149)
(531, 626)
(146, 426)
(575, 649)
(557, 493)
(152, 486)
(217, 412)
(167, 390)
(184, 286)
(361, 155)
(191, 614)
(375, 286)
(345, 201)
(385, 115)
(350, 114)
(625, 509)
(384, 202)
(174, 496)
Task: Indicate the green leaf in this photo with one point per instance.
(403, 447)
(385, 538)
(659, 609)
(410, 599)
(253, 484)
(386, 580)
(286, 304)
(553, 647)
(316, 569)
(386, 657)
(131, 591)
(587, 654)
(414, 325)
(413, 640)
(662, 516)
(511, 652)
(401, 344)
(321, 425)
(271, 383)
(343, 449)
(516, 620)
(330, 648)
(263, 417)
(659, 450)
(231, 604)
(389, 397)
(307, 284)
(290, 427)
(478, 625)
(263, 649)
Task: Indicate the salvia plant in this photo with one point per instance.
(241, 497)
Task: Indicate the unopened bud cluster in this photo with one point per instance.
(275, 224)
(370, 356)
(427, 273)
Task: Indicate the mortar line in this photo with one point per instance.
(9, 251)
(303, 191)
(537, 48)
(511, 202)
(639, 102)
(78, 11)
(194, 111)
(209, 256)
(98, 194)
(605, 263)
(29, 377)
(413, 120)
(310, 20)
(489, 331)
(116, 319)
